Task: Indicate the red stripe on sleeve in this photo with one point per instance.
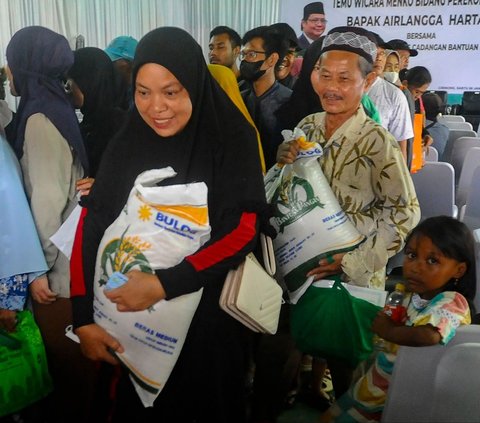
(77, 279)
(228, 246)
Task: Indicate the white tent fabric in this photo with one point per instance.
(99, 21)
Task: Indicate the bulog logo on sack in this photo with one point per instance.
(293, 199)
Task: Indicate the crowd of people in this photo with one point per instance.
(156, 103)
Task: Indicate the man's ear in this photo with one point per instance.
(236, 51)
(272, 59)
(369, 80)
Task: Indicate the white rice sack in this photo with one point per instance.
(157, 228)
(309, 221)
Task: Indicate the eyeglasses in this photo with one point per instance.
(317, 21)
(250, 54)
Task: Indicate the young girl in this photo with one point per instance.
(439, 272)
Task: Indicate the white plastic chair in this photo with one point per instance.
(466, 126)
(450, 118)
(432, 155)
(435, 188)
(455, 369)
(460, 151)
(437, 384)
(476, 236)
(470, 163)
(470, 212)
(452, 137)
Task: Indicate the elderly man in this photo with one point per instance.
(313, 24)
(373, 187)
(363, 165)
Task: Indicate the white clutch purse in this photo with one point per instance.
(250, 293)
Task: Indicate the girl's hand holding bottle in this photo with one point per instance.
(382, 325)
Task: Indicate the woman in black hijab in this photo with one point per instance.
(182, 119)
(304, 100)
(92, 81)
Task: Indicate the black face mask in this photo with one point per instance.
(251, 70)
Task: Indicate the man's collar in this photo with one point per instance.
(347, 129)
(310, 41)
(272, 88)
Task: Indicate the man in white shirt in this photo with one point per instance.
(390, 101)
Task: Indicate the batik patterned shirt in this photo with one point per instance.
(365, 168)
(13, 292)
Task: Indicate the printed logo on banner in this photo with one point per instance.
(293, 199)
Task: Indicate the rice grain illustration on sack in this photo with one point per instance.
(124, 254)
(307, 216)
(157, 229)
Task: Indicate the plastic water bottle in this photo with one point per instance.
(396, 310)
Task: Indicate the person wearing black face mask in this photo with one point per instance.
(251, 70)
(263, 50)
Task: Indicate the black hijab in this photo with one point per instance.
(39, 60)
(304, 100)
(218, 146)
(94, 73)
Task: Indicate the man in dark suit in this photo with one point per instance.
(313, 24)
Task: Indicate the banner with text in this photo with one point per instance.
(446, 33)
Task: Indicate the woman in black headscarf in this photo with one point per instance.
(182, 119)
(92, 80)
(304, 100)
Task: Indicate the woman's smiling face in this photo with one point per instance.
(162, 101)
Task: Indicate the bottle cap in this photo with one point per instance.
(400, 287)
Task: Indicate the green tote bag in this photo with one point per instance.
(331, 322)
